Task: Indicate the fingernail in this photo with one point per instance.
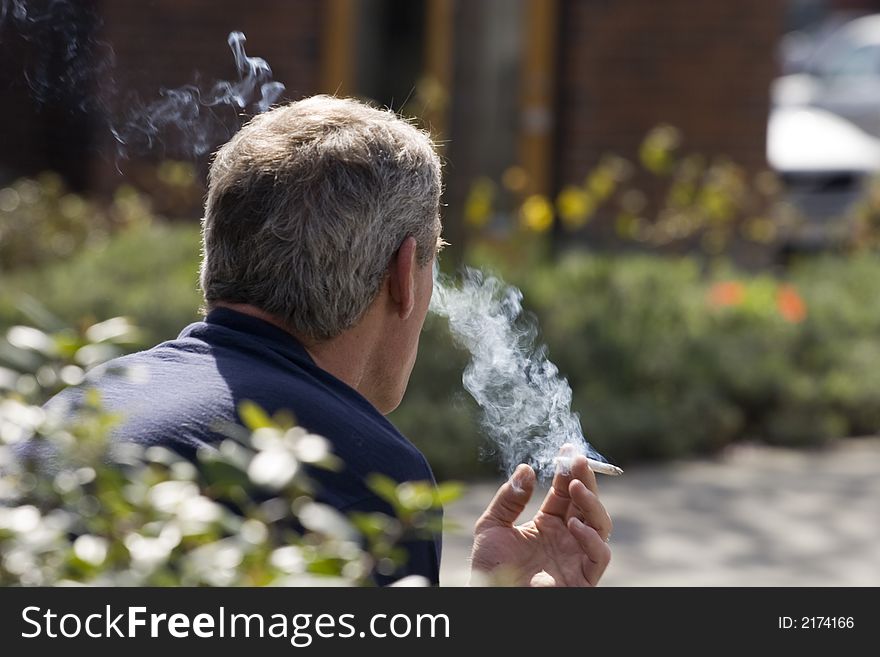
(565, 459)
(518, 478)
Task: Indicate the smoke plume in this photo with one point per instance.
(67, 63)
(192, 112)
(526, 403)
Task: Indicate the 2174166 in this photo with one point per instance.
(816, 623)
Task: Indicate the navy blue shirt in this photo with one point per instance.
(194, 383)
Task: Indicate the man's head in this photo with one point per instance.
(308, 208)
(308, 203)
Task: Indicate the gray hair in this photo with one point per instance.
(308, 203)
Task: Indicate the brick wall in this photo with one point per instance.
(704, 66)
(162, 43)
(38, 128)
(624, 66)
(166, 42)
(169, 43)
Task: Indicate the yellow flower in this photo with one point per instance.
(760, 229)
(575, 206)
(478, 205)
(536, 213)
(515, 179)
(627, 225)
(657, 152)
(601, 183)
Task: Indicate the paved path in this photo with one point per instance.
(755, 516)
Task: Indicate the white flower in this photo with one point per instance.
(167, 496)
(21, 520)
(273, 468)
(326, 520)
(311, 448)
(91, 549)
(288, 559)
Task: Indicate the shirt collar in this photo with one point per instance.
(280, 339)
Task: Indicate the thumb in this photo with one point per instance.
(510, 500)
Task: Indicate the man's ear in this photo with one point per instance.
(402, 278)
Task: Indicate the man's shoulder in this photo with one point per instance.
(183, 389)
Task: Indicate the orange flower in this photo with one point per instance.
(790, 304)
(729, 293)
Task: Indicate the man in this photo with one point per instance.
(320, 232)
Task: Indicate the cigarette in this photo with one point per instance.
(604, 468)
(567, 453)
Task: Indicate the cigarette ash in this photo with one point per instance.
(525, 402)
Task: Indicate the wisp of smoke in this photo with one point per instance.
(190, 111)
(16, 9)
(63, 57)
(526, 403)
(187, 121)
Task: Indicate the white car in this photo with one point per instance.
(825, 163)
(841, 75)
(823, 134)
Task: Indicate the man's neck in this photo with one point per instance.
(347, 356)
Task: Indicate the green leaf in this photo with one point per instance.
(448, 491)
(325, 566)
(373, 525)
(384, 487)
(253, 416)
(218, 474)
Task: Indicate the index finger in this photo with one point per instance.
(569, 467)
(581, 470)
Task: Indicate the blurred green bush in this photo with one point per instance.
(42, 221)
(148, 272)
(119, 514)
(667, 355)
(667, 360)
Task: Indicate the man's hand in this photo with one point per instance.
(565, 544)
